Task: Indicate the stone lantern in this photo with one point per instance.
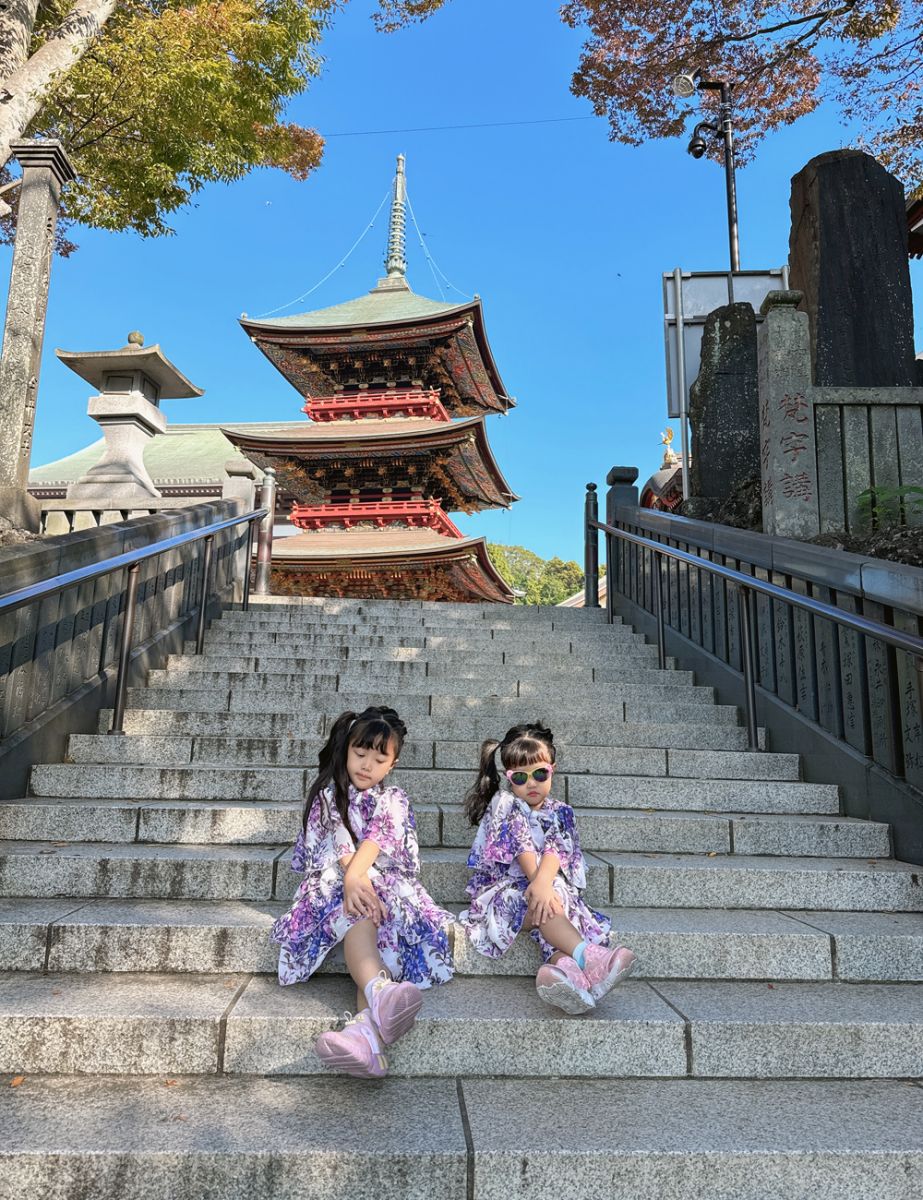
(131, 382)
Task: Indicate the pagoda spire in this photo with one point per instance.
(396, 260)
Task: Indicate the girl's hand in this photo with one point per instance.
(361, 900)
(544, 902)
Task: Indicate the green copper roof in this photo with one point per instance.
(381, 306)
(184, 454)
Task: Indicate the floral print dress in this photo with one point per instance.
(498, 906)
(414, 939)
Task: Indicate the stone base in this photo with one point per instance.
(19, 510)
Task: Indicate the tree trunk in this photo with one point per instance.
(17, 19)
(23, 92)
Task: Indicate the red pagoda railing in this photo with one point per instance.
(409, 402)
(415, 514)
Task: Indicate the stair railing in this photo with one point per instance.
(131, 563)
(747, 587)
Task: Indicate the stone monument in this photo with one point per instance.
(724, 405)
(848, 256)
(131, 382)
(45, 169)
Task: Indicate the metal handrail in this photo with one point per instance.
(132, 560)
(748, 586)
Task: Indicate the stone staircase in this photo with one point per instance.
(771, 1045)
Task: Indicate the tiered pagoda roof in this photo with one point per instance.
(397, 388)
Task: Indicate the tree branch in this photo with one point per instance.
(17, 21)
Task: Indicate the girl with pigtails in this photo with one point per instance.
(529, 873)
(361, 862)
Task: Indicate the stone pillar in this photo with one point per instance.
(45, 169)
(848, 255)
(621, 491)
(241, 482)
(788, 451)
(724, 408)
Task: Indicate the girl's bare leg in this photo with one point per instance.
(561, 934)
(360, 948)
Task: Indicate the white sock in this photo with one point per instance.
(371, 987)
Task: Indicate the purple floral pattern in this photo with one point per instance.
(497, 886)
(413, 941)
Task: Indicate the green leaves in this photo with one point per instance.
(180, 93)
(535, 580)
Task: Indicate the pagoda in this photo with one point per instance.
(397, 389)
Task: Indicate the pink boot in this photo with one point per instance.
(604, 968)
(565, 986)
(394, 1007)
(354, 1050)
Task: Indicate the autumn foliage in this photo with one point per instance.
(784, 59)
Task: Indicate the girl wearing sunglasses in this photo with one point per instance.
(529, 873)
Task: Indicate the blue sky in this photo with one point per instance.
(564, 235)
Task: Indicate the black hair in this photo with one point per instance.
(521, 745)
(373, 729)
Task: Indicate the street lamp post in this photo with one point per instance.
(686, 86)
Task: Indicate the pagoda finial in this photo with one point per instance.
(396, 262)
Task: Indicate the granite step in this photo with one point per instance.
(429, 786)
(300, 752)
(294, 689)
(436, 667)
(438, 1139)
(621, 644)
(245, 822)
(455, 635)
(629, 880)
(134, 1138)
(233, 935)
(432, 620)
(303, 724)
(379, 650)
(248, 1025)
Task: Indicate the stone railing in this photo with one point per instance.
(58, 655)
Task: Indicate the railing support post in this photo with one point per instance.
(264, 545)
(248, 564)
(658, 610)
(591, 549)
(612, 553)
(748, 661)
(203, 596)
(128, 629)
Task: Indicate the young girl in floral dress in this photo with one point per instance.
(529, 873)
(358, 849)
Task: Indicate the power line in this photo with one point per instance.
(304, 295)
(446, 128)
(433, 265)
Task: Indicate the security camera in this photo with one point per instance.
(697, 146)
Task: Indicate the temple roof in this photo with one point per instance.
(380, 306)
(184, 454)
(457, 450)
(407, 550)
(389, 333)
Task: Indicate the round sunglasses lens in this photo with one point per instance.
(541, 774)
(519, 778)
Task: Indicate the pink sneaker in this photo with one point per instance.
(354, 1050)
(604, 968)
(565, 986)
(394, 1007)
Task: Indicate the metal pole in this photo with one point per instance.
(658, 609)
(611, 558)
(748, 657)
(681, 379)
(128, 628)
(264, 545)
(248, 564)
(203, 595)
(727, 132)
(591, 549)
